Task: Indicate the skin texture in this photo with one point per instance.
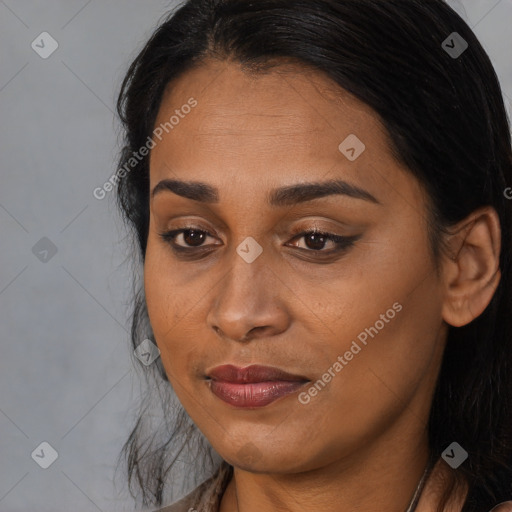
(361, 442)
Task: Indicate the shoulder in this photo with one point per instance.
(186, 503)
(206, 497)
(503, 507)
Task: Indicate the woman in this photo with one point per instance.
(318, 194)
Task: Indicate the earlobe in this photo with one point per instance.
(471, 271)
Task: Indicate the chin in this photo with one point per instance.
(253, 459)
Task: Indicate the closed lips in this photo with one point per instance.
(254, 386)
(251, 374)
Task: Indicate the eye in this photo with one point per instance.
(190, 239)
(191, 236)
(316, 240)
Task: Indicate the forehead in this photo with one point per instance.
(289, 121)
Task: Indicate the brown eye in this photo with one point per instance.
(191, 237)
(316, 241)
(194, 237)
(189, 241)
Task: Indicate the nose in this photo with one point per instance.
(249, 303)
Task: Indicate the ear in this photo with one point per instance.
(471, 270)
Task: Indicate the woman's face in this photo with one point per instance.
(357, 321)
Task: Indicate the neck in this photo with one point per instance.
(384, 478)
(436, 483)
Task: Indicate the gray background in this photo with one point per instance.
(66, 374)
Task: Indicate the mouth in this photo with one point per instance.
(253, 386)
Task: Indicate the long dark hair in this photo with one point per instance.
(447, 123)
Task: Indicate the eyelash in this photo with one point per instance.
(343, 243)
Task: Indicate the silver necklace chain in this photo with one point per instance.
(412, 505)
(417, 493)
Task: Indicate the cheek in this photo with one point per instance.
(175, 302)
(169, 296)
(384, 319)
(165, 300)
(376, 381)
(399, 353)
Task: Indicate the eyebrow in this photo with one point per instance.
(284, 196)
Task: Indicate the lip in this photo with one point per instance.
(253, 373)
(252, 386)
